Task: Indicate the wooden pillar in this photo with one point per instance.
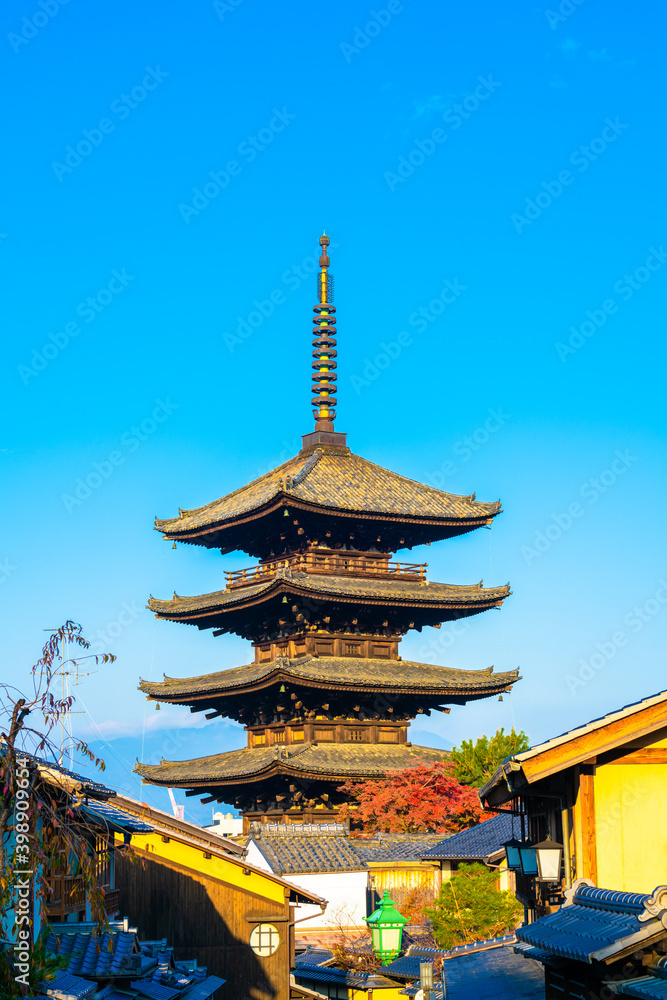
(588, 838)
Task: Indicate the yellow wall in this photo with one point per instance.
(220, 868)
(400, 880)
(391, 993)
(631, 825)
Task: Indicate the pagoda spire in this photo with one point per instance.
(324, 346)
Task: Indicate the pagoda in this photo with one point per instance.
(328, 698)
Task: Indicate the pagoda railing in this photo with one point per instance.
(337, 565)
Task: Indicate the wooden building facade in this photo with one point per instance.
(198, 890)
(599, 791)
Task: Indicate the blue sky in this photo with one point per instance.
(492, 179)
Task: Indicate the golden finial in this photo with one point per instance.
(324, 365)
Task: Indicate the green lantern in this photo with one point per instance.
(386, 927)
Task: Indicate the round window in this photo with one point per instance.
(264, 939)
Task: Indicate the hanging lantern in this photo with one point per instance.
(528, 858)
(513, 854)
(549, 857)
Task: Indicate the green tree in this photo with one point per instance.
(469, 908)
(475, 763)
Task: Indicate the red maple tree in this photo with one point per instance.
(422, 799)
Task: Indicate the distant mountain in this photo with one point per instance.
(426, 738)
(120, 756)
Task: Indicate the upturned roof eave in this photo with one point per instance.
(160, 691)
(174, 529)
(259, 593)
(279, 766)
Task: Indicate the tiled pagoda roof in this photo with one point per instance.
(331, 479)
(329, 761)
(338, 672)
(466, 599)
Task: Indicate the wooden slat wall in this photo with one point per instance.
(206, 919)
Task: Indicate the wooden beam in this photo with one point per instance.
(588, 837)
(648, 756)
(608, 736)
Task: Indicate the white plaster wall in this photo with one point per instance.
(345, 893)
(346, 896)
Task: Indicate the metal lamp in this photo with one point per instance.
(528, 858)
(513, 854)
(426, 975)
(549, 855)
(386, 926)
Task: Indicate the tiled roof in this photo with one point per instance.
(596, 923)
(356, 673)
(143, 969)
(498, 974)
(515, 762)
(93, 788)
(165, 823)
(112, 818)
(415, 990)
(395, 847)
(341, 588)
(66, 987)
(313, 956)
(405, 967)
(479, 841)
(328, 760)
(358, 980)
(88, 956)
(334, 479)
(646, 988)
(296, 855)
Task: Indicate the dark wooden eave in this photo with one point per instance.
(286, 601)
(356, 676)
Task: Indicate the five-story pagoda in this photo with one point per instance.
(328, 697)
